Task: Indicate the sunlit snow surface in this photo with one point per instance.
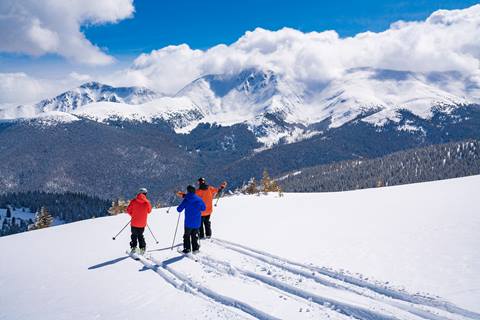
(404, 252)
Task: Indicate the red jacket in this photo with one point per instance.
(138, 209)
(207, 197)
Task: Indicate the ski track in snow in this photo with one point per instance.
(370, 301)
(344, 308)
(354, 284)
(215, 296)
(184, 283)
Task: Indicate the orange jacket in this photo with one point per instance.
(138, 209)
(207, 197)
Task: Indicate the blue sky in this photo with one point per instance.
(47, 46)
(203, 24)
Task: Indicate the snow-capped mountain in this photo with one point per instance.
(245, 96)
(96, 92)
(69, 101)
(377, 96)
(265, 101)
(273, 107)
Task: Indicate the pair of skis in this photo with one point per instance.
(137, 257)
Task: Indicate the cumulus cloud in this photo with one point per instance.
(38, 27)
(447, 40)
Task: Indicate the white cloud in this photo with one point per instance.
(38, 27)
(80, 77)
(19, 88)
(447, 40)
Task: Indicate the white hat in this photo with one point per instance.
(143, 190)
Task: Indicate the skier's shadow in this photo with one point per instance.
(107, 263)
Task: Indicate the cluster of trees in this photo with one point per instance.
(267, 184)
(11, 224)
(118, 206)
(43, 219)
(435, 162)
(66, 207)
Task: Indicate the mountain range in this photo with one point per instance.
(227, 126)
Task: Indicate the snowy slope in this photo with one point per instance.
(362, 254)
(95, 92)
(385, 92)
(245, 96)
(69, 101)
(179, 112)
(252, 93)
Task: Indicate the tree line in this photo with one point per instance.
(431, 163)
(67, 207)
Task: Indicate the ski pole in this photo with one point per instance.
(176, 228)
(218, 198)
(152, 233)
(122, 229)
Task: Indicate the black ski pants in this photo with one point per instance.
(137, 235)
(207, 225)
(190, 239)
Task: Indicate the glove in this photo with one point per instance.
(181, 194)
(223, 185)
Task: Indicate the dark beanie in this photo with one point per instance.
(191, 189)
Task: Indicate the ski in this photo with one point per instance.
(188, 254)
(133, 255)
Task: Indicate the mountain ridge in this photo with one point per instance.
(276, 109)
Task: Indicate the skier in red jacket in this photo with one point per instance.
(138, 209)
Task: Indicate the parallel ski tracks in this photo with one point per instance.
(413, 304)
(184, 283)
(407, 306)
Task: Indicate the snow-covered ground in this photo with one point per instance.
(404, 252)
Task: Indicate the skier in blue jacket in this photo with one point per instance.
(193, 206)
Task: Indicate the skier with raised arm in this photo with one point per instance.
(138, 209)
(207, 193)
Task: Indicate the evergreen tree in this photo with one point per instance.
(43, 219)
(251, 187)
(266, 182)
(118, 206)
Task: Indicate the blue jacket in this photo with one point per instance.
(193, 206)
